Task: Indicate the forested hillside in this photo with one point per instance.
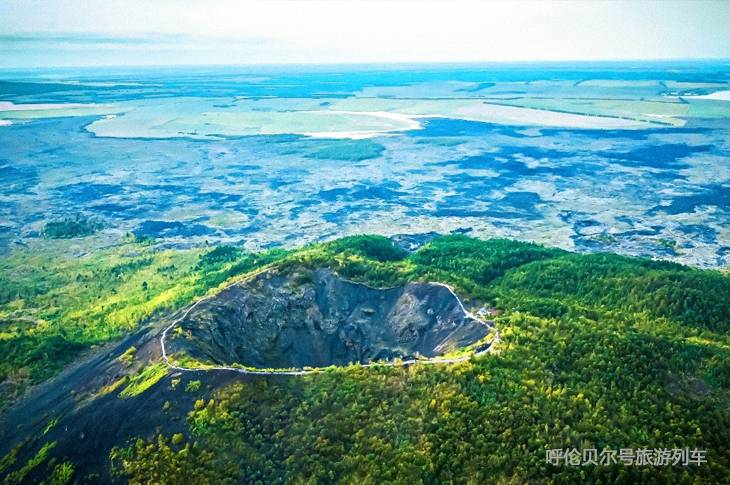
(597, 351)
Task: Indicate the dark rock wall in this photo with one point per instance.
(315, 318)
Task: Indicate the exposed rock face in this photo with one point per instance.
(315, 318)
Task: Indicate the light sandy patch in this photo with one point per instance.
(5, 122)
(10, 106)
(341, 135)
(621, 83)
(198, 119)
(546, 190)
(495, 113)
(406, 122)
(717, 96)
(629, 110)
(33, 111)
(707, 169)
(694, 85)
(104, 84)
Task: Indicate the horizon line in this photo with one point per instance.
(380, 63)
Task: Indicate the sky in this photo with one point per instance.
(48, 33)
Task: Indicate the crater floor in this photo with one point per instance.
(316, 318)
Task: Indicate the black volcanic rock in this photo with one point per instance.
(315, 318)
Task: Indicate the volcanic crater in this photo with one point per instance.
(315, 318)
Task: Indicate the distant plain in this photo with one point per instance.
(595, 157)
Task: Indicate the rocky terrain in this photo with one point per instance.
(316, 318)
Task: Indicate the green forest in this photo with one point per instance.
(597, 351)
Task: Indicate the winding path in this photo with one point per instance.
(400, 363)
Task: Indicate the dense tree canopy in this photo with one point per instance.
(598, 351)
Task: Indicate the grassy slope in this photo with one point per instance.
(54, 307)
(598, 351)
